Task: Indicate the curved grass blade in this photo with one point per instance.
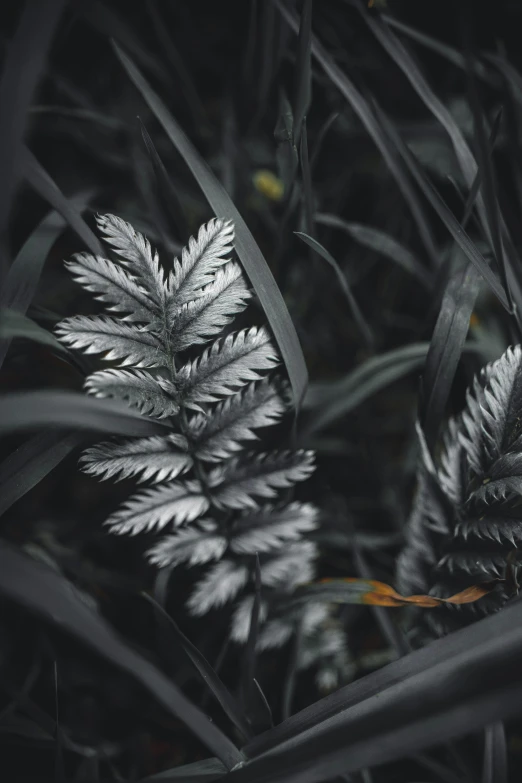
(203, 771)
(47, 594)
(352, 304)
(447, 217)
(366, 116)
(495, 765)
(31, 462)
(442, 49)
(381, 242)
(222, 694)
(23, 68)
(47, 188)
(450, 688)
(303, 89)
(24, 273)
(247, 249)
(14, 324)
(336, 399)
(446, 347)
(72, 410)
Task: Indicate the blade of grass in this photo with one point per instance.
(381, 242)
(308, 198)
(166, 186)
(31, 462)
(247, 249)
(23, 69)
(446, 347)
(448, 52)
(24, 273)
(358, 317)
(209, 676)
(45, 186)
(495, 765)
(303, 70)
(367, 118)
(447, 217)
(72, 410)
(452, 687)
(47, 594)
(334, 400)
(203, 771)
(14, 324)
(249, 660)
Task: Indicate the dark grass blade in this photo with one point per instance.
(14, 324)
(334, 400)
(249, 658)
(447, 217)
(47, 594)
(445, 51)
(303, 70)
(367, 117)
(24, 273)
(197, 110)
(203, 771)
(31, 462)
(247, 249)
(71, 410)
(22, 70)
(495, 766)
(381, 242)
(22, 279)
(45, 186)
(358, 317)
(59, 769)
(450, 688)
(446, 347)
(166, 187)
(211, 679)
(308, 196)
(111, 25)
(409, 67)
(321, 136)
(491, 208)
(291, 677)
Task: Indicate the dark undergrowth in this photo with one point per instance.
(371, 161)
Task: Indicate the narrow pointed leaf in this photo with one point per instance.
(151, 395)
(147, 459)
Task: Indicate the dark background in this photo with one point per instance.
(222, 76)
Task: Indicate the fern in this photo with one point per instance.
(214, 516)
(468, 512)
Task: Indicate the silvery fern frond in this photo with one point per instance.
(270, 528)
(159, 458)
(219, 433)
(121, 342)
(241, 480)
(220, 585)
(215, 307)
(199, 260)
(135, 251)
(226, 366)
(214, 403)
(152, 395)
(192, 545)
(113, 286)
(156, 508)
(478, 491)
